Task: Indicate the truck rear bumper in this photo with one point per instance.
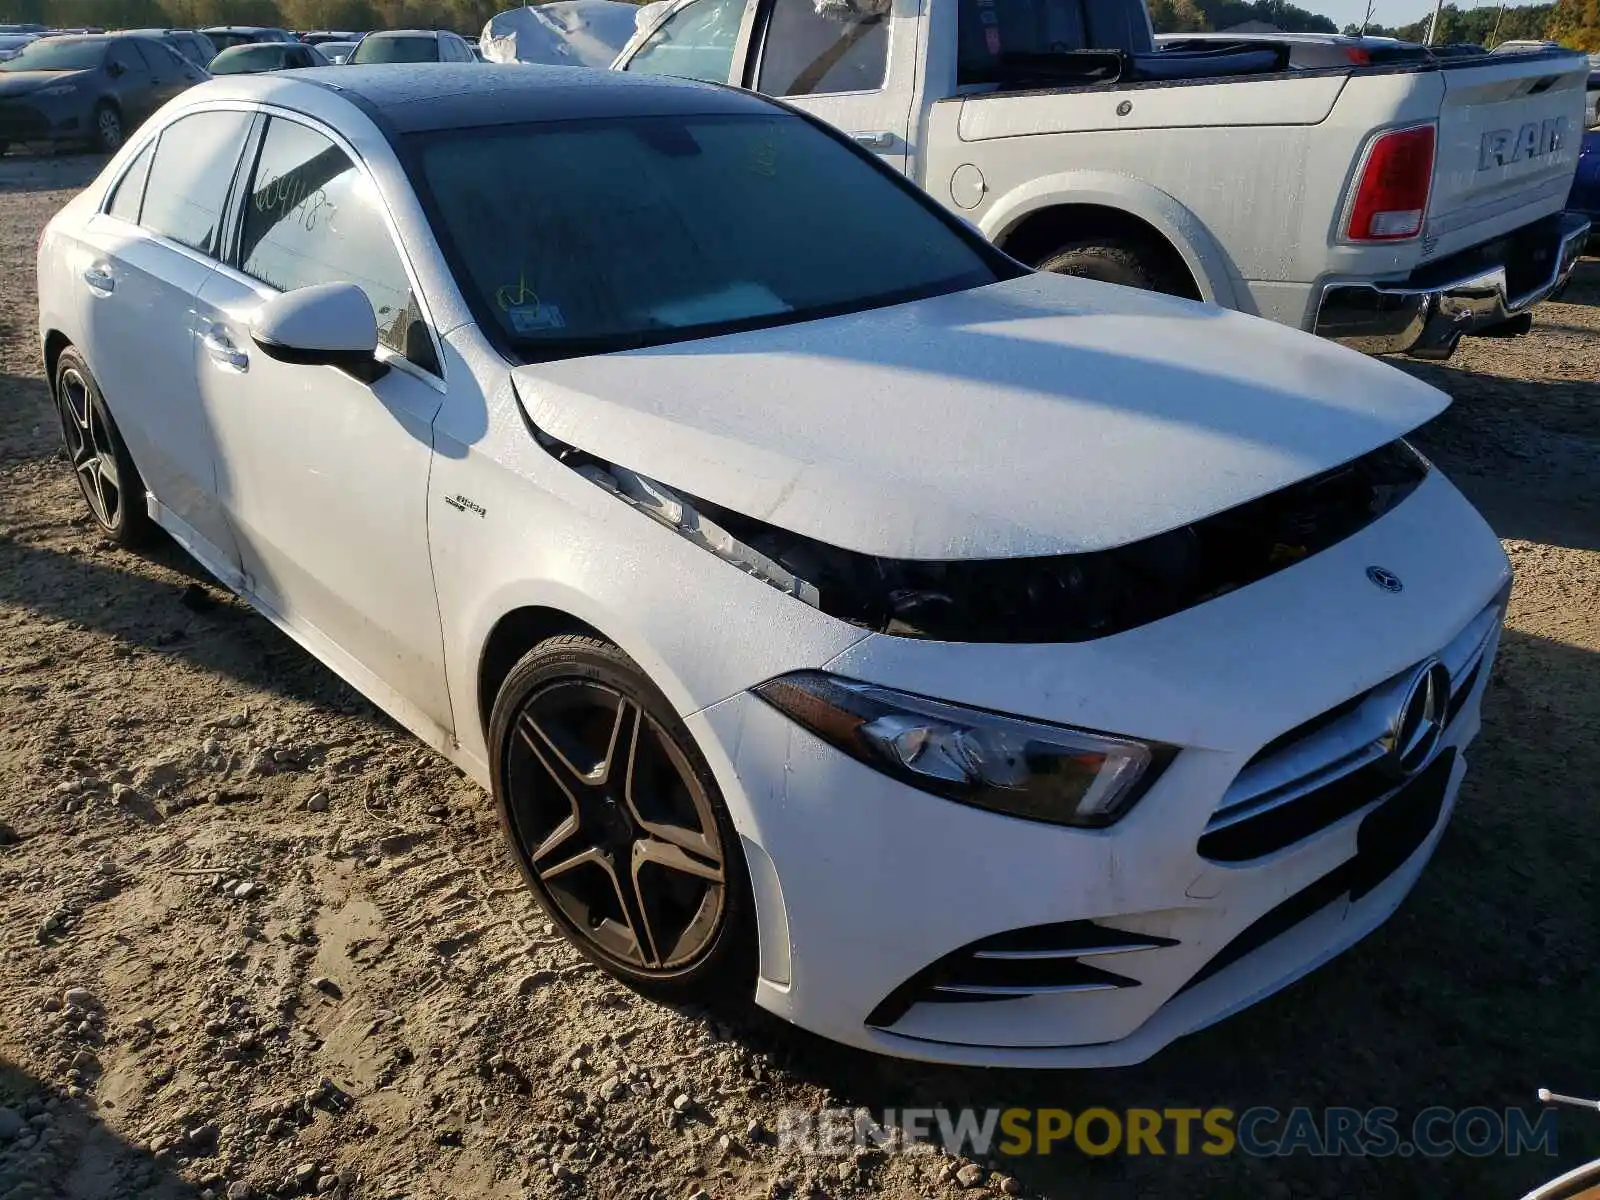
(1427, 314)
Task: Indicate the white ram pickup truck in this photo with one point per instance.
(1395, 203)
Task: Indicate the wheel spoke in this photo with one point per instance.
(622, 750)
(552, 747)
(642, 950)
(695, 841)
(93, 485)
(674, 858)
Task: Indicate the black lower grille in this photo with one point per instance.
(1038, 960)
(1388, 836)
(1284, 826)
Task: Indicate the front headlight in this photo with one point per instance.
(59, 89)
(1005, 764)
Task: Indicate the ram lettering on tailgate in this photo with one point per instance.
(1502, 147)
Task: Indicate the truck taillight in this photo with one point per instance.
(1392, 196)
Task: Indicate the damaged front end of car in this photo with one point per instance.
(1074, 597)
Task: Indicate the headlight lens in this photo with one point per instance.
(59, 89)
(1005, 764)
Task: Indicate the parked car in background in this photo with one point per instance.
(963, 662)
(223, 36)
(1525, 46)
(1594, 91)
(410, 46)
(192, 44)
(88, 88)
(13, 44)
(316, 37)
(1585, 197)
(1393, 207)
(336, 52)
(268, 56)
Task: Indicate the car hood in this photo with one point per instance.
(19, 83)
(1043, 415)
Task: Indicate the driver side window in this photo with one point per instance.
(696, 42)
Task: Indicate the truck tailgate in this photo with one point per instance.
(1509, 132)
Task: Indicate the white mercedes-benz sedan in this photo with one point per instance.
(964, 663)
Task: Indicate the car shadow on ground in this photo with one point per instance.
(68, 1151)
(1475, 993)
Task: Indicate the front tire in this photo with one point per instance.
(618, 825)
(106, 476)
(106, 126)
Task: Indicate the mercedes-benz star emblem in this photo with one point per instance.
(1414, 734)
(1386, 579)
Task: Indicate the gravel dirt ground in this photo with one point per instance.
(255, 941)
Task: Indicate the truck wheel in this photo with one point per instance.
(1128, 263)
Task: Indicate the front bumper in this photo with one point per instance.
(1472, 292)
(40, 119)
(863, 884)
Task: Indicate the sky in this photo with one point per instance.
(1384, 12)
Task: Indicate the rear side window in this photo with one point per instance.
(129, 195)
(189, 179)
(312, 217)
(397, 50)
(817, 46)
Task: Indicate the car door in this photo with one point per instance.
(150, 250)
(833, 61)
(325, 476)
(173, 72)
(132, 83)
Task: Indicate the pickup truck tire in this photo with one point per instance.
(1128, 263)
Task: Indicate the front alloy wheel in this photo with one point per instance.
(107, 129)
(617, 822)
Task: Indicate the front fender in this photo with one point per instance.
(1210, 265)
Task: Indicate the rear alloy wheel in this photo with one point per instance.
(107, 129)
(100, 461)
(618, 825)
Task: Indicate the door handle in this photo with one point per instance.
(100, 281)
(222, 350)
(876, 139)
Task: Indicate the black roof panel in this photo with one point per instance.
(432, 96)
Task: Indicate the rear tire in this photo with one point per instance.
(106, 128)
(108, 480)
(618, 825)
(1128, 263)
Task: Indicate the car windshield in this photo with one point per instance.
(396, 50)
(58, 54)
(587, 236)
(243, 59)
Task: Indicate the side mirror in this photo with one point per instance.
(325, 325)
(116, 70)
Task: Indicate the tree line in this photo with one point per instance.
(1574, 23)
